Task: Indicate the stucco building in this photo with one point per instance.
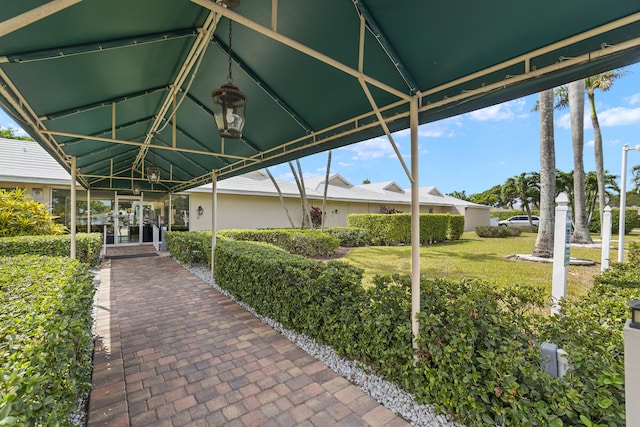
(247, 201)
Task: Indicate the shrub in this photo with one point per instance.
(309, 243)
(45, 339)
(350, 236)
(189, 247)
(88, 246)
(631, 221)
(318, 299)
(497, 231)
(21, 216)
(396, 229)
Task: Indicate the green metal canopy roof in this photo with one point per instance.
(123, 84)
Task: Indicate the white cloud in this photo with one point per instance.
(376, 148)
(619, 116)
(633, 99)
(345, 164)
(564, 121)
(590, 143)
(496, 113)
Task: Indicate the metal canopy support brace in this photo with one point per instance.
(197, 49)
(34, 15)
(242, 20)
(415, 223)
(214, 217)
(73, 207)
(372, 101)
(386, 45)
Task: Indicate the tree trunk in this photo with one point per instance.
(305, 201)
(326, 187)
(576, 111)
(284, 205)
(544, 240)
(300, 190)
(599, 158)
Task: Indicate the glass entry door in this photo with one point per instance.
(128, 225)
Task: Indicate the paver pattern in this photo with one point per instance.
(172, 351)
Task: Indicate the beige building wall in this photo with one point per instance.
(38, 192)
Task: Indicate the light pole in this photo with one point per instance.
(623, 199)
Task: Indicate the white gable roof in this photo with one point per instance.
(317, 183)
(28, 162)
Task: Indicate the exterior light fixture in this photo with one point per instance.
(635, 314)
(200, 211)
(229, 103)
(153, 174)
(136, 190)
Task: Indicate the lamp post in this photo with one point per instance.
(623, 199)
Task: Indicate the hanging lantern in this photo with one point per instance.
(153, 174)
(136, 189)
(229, 109)
(229, 103)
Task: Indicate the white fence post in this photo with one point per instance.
(561, 248)
(605, 232)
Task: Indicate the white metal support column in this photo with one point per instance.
(415, 222)
(214, 216)
(88, 210)
(170, 211)
(73, 207)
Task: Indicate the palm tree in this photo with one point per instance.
(602, 81)
(324, 196)
(282, 202)
(576, 110)
(544, 240)
(592, 191)
(522, 188)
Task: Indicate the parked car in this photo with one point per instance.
(520, 221)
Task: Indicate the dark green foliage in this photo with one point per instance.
(88, 246)
(396, 229)
(189, 247)
(455, 227)
(350, 236)
(45, 339)
(309, 243)
(631, 221)
(319, 299)
(497, 231)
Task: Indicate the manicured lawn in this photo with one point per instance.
(479, 258)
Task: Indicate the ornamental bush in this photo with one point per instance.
(21, 216)
(309, 243)
(88, 246)
(396, 229)
(350, 236)
(45, 339)
(498, 232)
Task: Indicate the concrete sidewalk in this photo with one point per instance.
(172, 351)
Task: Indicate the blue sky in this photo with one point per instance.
(475, 151)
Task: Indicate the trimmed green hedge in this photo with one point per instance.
(319, 299)
(350, 236)
(396, 229)
(498, 231)
(88, 246)
(189, 247)
(45, 339)
(309, 243)
(631, 221)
